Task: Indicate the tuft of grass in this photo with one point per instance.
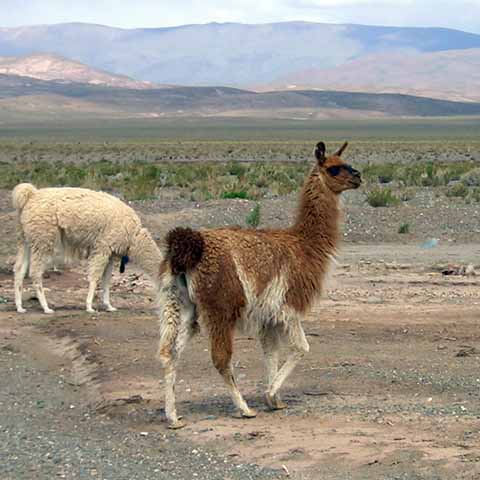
(404, 228)
(475, 194)
(381, 173)
(471, 178)
(382, 197)
(406, 195)
(235, 194)
(253, 218)
(457, 190)
(236, 169)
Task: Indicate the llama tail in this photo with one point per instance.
(21, 194)
(185, 249)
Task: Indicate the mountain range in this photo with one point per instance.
(449, 74)
(252, 56)
(47, 66)
(294, 68)
(30, 96)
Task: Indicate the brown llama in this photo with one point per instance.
(260, 281)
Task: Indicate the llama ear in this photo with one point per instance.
(320, 152)
(341, 149)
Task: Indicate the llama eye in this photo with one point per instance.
(334, 171)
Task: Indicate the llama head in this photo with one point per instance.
(334, 172)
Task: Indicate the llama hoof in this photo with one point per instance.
(21, 310)
(49, 310)
(250, 413)
(111, 309)
(274, 403)
(176, 424)
(91, 310)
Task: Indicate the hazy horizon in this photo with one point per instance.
(227, 22)
(460, 15)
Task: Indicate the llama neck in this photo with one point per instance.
(146, 254)
(317, 222)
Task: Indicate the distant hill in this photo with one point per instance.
(451, 74)
(54, 67)
(230, 53)
(38, 97)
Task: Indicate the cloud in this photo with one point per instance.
(460, 14)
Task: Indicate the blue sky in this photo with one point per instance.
(460, 14)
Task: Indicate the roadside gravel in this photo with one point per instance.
(47, 432)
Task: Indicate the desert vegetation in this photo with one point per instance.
(387, 184)
(247, 159)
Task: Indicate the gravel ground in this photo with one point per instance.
(428, 212)
(45, 433)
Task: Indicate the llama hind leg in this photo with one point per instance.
(97, 264)
(270, 341)
(222, 349)
(177, 326)
(38, 263)
(106, 279)
(21, 269)
(299, 347)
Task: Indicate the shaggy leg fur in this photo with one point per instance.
(96, 267)
(107, 276)
(21, 269)
(39, 261)
(222, 349)
(177, 326)
(270, 340)
(299, 346)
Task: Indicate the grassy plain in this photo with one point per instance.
(240, 158)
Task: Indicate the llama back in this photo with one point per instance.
(83, 211)
(80, 217)
(261, 267)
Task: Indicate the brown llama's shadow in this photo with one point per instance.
(222, 405)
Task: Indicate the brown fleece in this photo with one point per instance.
(184, 249)
(301, 254)
(220, 300)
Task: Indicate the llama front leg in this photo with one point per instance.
(20, 271)
(96, 267)
(299, 346)
(37, 267)
(222, 349)
(106, 279)
(270, 342)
